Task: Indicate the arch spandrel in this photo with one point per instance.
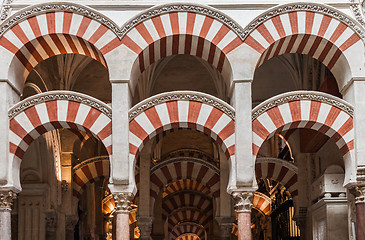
(321, 112)
(44, 112)
(317, 30)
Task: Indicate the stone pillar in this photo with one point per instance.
(359, 193)
(122, 208)
(71, 222)
(243, 205)
(145, 227)
(225, 225)
(6, 202)
(51, 225)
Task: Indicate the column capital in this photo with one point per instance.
(6, 200)
(242, 201)
(358, 191)
(123, 201)
(71, 221)
(225, 225)
(51, 222)
(145, 226)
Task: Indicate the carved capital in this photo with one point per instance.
(145, 226)
(6, 200)
(51, 222)
(71, 222)
(225, 225)
(359, 193)
(123, 201)
(242, 201)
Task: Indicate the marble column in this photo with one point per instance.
(225, 225)
(6, 202)
(122, 208)
(145, 227)
(359, 193)
(243, 205)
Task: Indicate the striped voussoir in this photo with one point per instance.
(189, 215)
(189, 153)
(315, 34)
(194, 169)
(88, 172)
(189, 236)
(187, 184)
(187, 229)
(56, 114)
(186, 199)
(320, 116)
(181, 114)
(280, 171)
(45, 35)
(182, 33)
(108, 204)
(262, 203)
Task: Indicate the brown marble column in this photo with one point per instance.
(122, 209)
(243, 206)
(359, 193)
(6, 202)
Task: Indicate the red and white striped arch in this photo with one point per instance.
(51, 33)
(88, 172)
(186, 199)
(181, 33)
(189, 215)
(49, 111)
(189, 230)
(280, 171)
(183, 113)
(187, 184)
(293, 113)
(262, 203)
(192, 169)
(315, 34)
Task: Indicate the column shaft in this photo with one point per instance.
(122, 224)
(360, 221)
(5, 224)
(244, 225)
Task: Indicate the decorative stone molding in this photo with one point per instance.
(71, 222)
(90, 160)
(6, 200)
(5, 9)
(242, 201)
(183, 7)
(181, 96)
(302, 95)
(39, 9)
(311, 7)
(123, 201)
(359, 193)
(59, 95)
(358, 11)
(51, 222)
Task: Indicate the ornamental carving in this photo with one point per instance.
(242, 201)
(71, 222)
(59, 95)
(51, 222)
(6, 200)
(359, 193)
(123, 201)
(358, 10)
(301, 95)
(181, 96)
